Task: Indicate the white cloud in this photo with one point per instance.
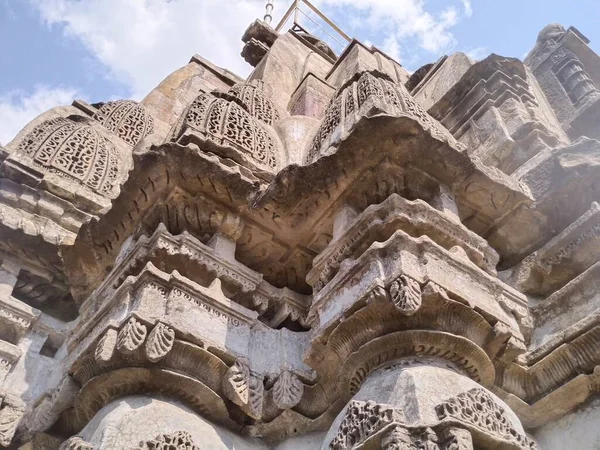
(400, 20)
(140, 42)
(18, 108)
(477, 53)
(143, 41)
(468, 7)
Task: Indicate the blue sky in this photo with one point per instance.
(56, 50)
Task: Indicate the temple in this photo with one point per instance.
(332, 254)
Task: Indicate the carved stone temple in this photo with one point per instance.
(330, 254)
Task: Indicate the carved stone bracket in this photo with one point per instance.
(132, 336)
(105, 349)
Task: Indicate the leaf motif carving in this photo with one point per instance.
(245, 389)
(105, 349)
(405, 293)
(257, 390)
(236, 383)
(10, 416)
(288, 390)
(159, 342)
(131, 336)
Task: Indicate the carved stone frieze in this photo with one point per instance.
(378, 222)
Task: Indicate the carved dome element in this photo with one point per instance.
(354, 99)
(127, 119)
(74, 150)
(226, 123)
(253, 99)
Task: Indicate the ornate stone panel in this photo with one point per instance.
(226, 123)
(369, 89)
(362, 420)
(127, 119)
(74, 150)
(254, 100)
(478, 409)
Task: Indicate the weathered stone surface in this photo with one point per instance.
(440, 79)
(308, 258)
(568, 72)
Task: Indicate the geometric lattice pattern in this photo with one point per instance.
(73, 150)
(127, 119)
(226, 122)
(252, 98)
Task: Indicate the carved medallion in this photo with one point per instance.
(131, 336)
(159, 342)
(288, 390)
(405, 293)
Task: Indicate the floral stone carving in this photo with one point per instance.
(181, 440)
(229, 124)
(477, 408)
(288, 390)
(405, 293)
(362, 420)
(254, 100)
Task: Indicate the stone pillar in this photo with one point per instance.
(427, 404)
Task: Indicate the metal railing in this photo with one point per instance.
(295, 9)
